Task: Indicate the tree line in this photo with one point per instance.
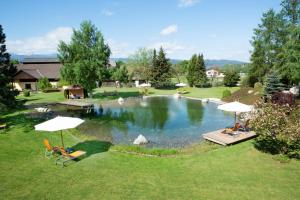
(276, 45)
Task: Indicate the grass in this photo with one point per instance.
(243, 95)
(144, 151)
(201, 171)
(209, 172)
(42, 98)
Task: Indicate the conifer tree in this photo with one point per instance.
(191, 74)
(273, 84)
(7, 71)
(161, 70)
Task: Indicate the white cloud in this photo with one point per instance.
(187, 3)
(118, 49)
(169, 30)
(45, 44)
(107, 13)
(171, 48)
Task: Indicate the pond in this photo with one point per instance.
(164, 121)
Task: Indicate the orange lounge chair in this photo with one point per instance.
(232, 131)
(245, 127)
(49, 150)
(65, 157)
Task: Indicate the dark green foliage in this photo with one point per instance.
(160, 70)
(66, 94)
(289, 67)
(231, 78)
(273, 84)
(121, 74)
(196, 75)
(43, 83)
(26, 93)
(7, 71)
(291, 11)
(226, 93)
(86, 58)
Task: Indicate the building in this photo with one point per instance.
(212, 73)
(30, 70)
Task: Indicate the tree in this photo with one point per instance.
(161, 70)
(180, 69)
(267, 43)
(44, 83)
(289, 65)
(139, 64)
(196, 75)
(273, 84)
(291, 11)
(191, 76)
(7, 71)
(121, 74)
(85, 59)
(231, 78)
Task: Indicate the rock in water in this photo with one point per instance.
(177, 96)
(121, 101)
(140, 140)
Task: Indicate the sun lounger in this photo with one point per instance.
(232, 131)
(65, 157)
(245, 127)
(2, 126)
(49, 150)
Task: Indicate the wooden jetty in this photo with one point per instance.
(226, 139)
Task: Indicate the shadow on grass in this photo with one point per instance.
(100, 95)
(93, 146)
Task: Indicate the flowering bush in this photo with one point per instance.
(278, 129)
(283, 98)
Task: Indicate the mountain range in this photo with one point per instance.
(208, 62)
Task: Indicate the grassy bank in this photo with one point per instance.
(236, 172)
(36, 98)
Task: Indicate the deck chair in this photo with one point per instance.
(232, 131)
(65, 157)
(49, 150)
(245, 127)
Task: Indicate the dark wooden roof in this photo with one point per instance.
(38, 70)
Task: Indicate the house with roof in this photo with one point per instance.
(30, 70)
(213, 73)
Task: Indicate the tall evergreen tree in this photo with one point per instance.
(86, 58)
(7, 70)
(291, 11)
(267, 43)
(289, 67)
(196, 75)
(273, 84)
(161, 70)
(191, 75)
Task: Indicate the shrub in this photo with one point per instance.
(258, 85)
(44, 83)
(66, 93)
(144, 91)
(165, 85)
(62, 82)
(203, 85)
(26, 93)
(226, 93)
(231, 78)
(278, 129)
(47, 90)
(282, 98)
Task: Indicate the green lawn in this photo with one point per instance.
(198, 172)
(37, 98)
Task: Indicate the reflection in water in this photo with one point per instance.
(195, 111)
(165, 121)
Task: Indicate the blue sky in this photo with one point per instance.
(220, 29)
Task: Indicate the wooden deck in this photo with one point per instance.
(78, 103)
(225, 139)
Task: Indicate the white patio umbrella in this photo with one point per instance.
(145, 85)
(58, 124)
(235, 107)
(181, 85)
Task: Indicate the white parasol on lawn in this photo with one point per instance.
(58, 124)
(235, 107)
(181, 85)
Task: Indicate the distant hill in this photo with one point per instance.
(209, 62)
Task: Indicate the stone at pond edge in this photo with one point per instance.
(140, 140)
